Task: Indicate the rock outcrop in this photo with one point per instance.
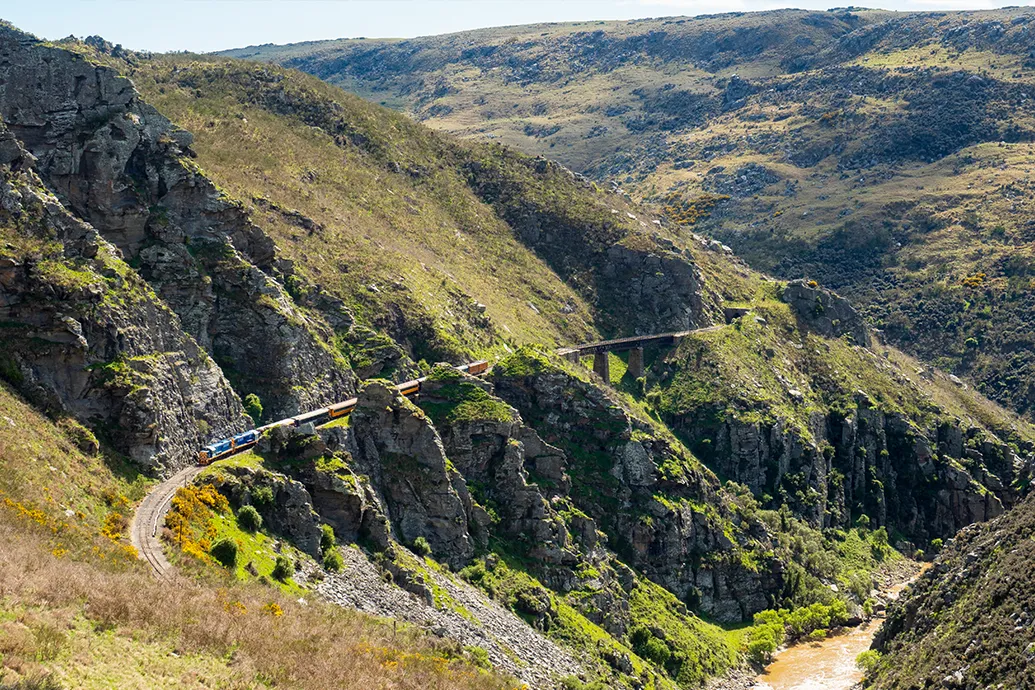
(638, 283)
(395, 445)
(868, 461)
(646, 493)
(289, 513)
(825, 312)
(84, 335)
(116, 162)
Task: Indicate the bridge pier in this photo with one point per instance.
(602, 366)
(636, 362)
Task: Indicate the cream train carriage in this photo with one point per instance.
(243, 441)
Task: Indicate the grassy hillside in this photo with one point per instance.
(78, 610)
(755, 465)
(887, 155)
(450, 249)
(967, 621)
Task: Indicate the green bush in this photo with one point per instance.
(879, 544)
(479, 657)
(868, 661)
(761, 648)
(327, 538)
(649, 646)
(283, 569)
(249, 519)
(253, 406)
(421, 547)
(225, 551)
(262, 496)
(332, 561)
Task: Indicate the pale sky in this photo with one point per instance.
(206, 25)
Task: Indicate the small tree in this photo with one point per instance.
(253, 406)
(249, 519)
(225, 551)
(333, 562)
(868, 661)
(327, 539)
(421, 546)
(283, 569)
(262, 496)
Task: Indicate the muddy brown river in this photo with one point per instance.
(826, 665)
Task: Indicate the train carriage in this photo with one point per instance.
(247, 439)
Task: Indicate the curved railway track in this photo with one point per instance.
(148, 518)
(147, 521)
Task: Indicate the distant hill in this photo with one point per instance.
(887, 155)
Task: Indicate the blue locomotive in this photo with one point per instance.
(229, 446)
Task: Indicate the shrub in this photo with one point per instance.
(760, 649)
(649, 646)
(333, 562)
(421, 546)
(262, 496)
(249, 519)
(936, 545)
(283, 569)
(253, 406)
(868, 661)
(879, 544)
(49, 641)
(479, 657)
(225, 551)
(327, 539)
(34, 682)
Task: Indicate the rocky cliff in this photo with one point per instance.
(118, 164)
(85, 336)
(785, 405)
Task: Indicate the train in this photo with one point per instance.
(226, 447)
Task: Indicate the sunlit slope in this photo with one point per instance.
(886, 154)
(79, 610)
(422, 237)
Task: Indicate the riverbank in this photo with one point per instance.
(828, 664)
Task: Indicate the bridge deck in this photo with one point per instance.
(629, 343)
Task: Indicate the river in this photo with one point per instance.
(826, 665)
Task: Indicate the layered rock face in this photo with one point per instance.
(393, 443)
(868, 461)
(84, 335)
(647, 494)
(826, 313)
(117, 163)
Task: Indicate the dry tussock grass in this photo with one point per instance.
(268, 638)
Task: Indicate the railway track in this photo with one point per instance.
(147, 521)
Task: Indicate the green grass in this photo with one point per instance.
(428, 245)
(249, 459)
(256, 548)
